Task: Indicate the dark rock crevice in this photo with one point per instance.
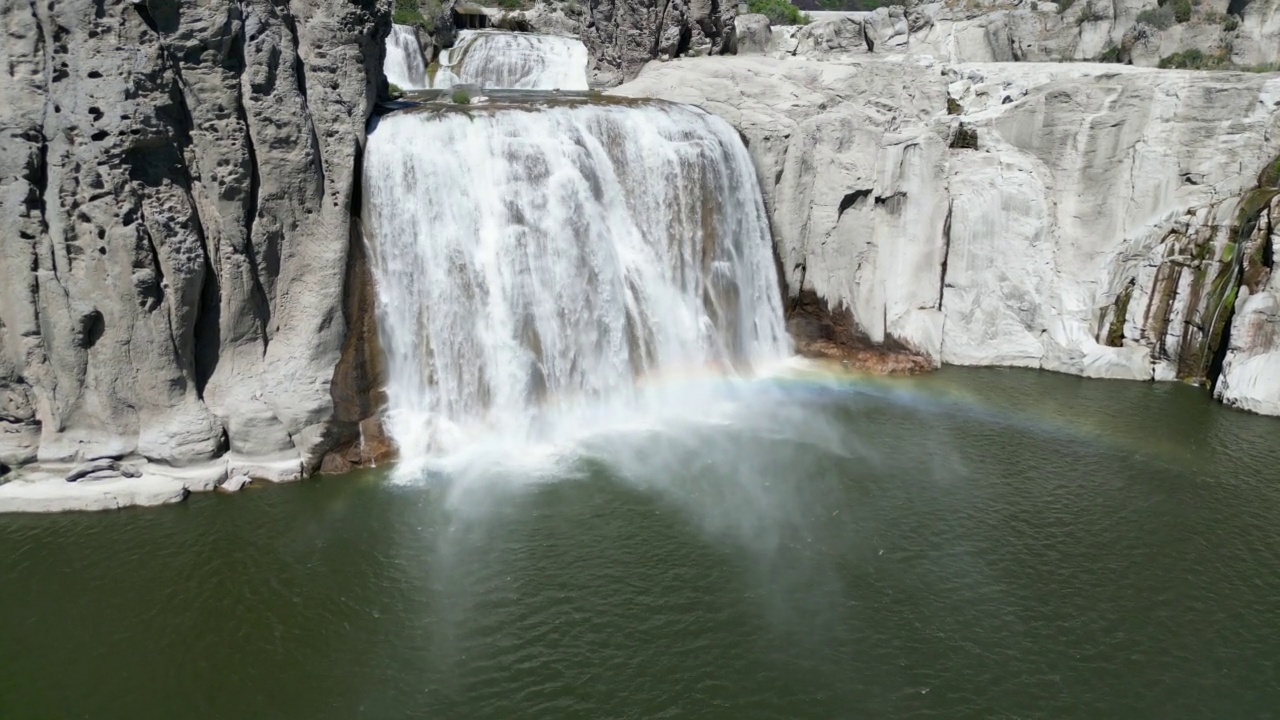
(659, 27)
(946, 252)
(300, 78)
(851, 200)
(197, 355)
(259, 304)
(37, 179)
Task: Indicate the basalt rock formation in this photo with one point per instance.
(622, 35)
(179, 181)
(1205, 34)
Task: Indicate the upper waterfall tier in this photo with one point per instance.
(405, 65)
(529, 258)
(520, 61)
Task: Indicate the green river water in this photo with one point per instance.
(970, 544)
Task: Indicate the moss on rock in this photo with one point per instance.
(1115, 331)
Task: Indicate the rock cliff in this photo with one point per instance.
(1103, 220)
(622, 35)
(178, 187)
(1176, 33)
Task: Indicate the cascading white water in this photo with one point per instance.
(404, 65)
(533, 264)
(519, 61)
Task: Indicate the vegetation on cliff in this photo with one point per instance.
(421, 13)
(779, 12)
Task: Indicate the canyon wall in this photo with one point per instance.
(622, 35)
(1178, 33)
(1103, 220)
(178, 189)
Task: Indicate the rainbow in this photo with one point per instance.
(823, 382)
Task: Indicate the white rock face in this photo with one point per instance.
(1073, 217)
(235, 484)
(110, 485)
(1041, 32)
(55, 495)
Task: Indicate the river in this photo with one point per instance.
(972, 543)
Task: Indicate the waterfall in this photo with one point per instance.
(404, 65)
(532, 264)
(520, 61)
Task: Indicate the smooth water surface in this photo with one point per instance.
(971, 544)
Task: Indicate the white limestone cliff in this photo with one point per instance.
(1139, 32)
(1073, 217)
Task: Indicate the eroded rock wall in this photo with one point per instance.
(1139, 32)
(622, 35)
(178, 182)
(1078, 217)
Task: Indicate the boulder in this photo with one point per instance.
(235, 484)
(102, 468)
(752, 34)
(93, 467)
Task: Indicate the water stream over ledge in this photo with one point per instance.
(536, 264)
(517, 61)
(405, 65)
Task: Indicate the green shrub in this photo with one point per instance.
(408, 12)
(1111, 55)
(461, 97)
(510, 4)
(1181, 10)
(1064, 5)
(1196, 59)
(431, 10)
(1230, 23)
(779, 12)
(1270, 175)
(394, 90)
(1160, 18)
(1192, 59)
(422, 13)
